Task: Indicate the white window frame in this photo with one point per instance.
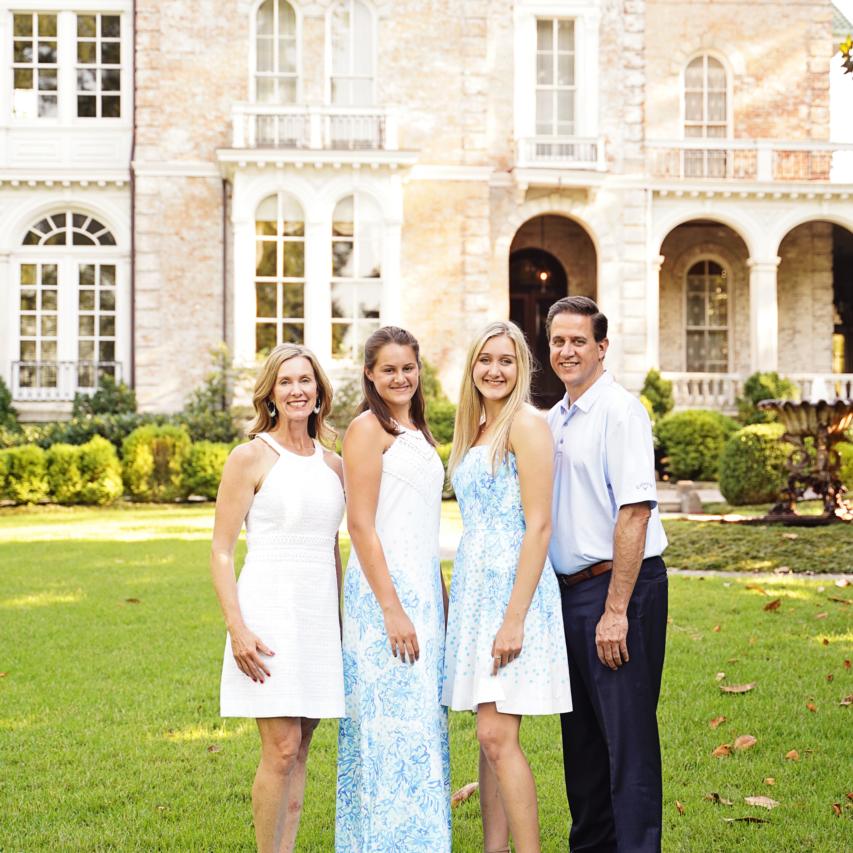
(702, 54)
(67, 62)
(554, 88)
(374, 58)
(586, 15)
(253, 53)
(706, 258)
(67, 259)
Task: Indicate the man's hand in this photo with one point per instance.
(611, 639)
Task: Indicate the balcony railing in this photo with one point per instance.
(721, 390)
(59, 381)
(313, 128)
(564, 152)
(751, 160)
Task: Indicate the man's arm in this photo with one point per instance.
(629, 540)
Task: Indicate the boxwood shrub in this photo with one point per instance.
(100, 471)
(692, 441)
(153, 460)
(25, 474)
(752, 467)
(203, 468)
(63, 473)
(845, 450)
(441, 416)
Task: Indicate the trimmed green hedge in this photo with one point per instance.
(24, 474)
(84, 474)
(203, 466)
(153, 459)
(752, 466)
(441, 417)
(692, 441)
(845, 450)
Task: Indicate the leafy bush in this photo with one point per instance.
(345, 402)
(25, 474)
(203, 468)
(845, 451)
(658, 392)
(110, 398)
(443, 451)
(4, 470)
(441, 417)
(207, 414)
(763, 386)
(752, 467)
(63, 473)
(152, 462)
(100, 471)
(114, 428)
(692, 442)
(8, 413)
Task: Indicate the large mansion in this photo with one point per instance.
(177, 174)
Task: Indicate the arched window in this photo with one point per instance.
(67, 308)
(707, 287)
(279, 273)
(356, 274)
(353, 60)
(276, 65)
(705, 115)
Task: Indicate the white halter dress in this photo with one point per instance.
(288, 593)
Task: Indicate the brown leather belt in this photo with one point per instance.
(592, 571)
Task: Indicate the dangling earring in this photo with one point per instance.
(317, 407)
(273, 411)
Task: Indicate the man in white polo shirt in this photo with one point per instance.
(606, 545)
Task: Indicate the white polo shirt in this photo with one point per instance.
(604, 460)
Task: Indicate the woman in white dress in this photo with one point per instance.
(282, 661)
(506, 652)
(393, 753)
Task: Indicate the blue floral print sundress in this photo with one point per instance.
(537, 681)
(393, 752)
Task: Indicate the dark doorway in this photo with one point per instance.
(842, 284)
(537, 280)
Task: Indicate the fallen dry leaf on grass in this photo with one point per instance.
(679, 806)
(847, 700)
(747, 819)
(764, 802)
(790, 535)
(829, 676)
(133, 601)
(773, 605)
(756, 588)
(825, 641)
(769, 781)
(214, 747)
(463, 793)
(716, 629)
(3, 674)
(821, 615)
(846, 664)
(793, 755)
(744, 742)
(812, 707)
(737, 688)
(714, 797)
(850, 795)
(720, 676)
(717, 721)
(839, 600)
(722, 750)
(836, 809)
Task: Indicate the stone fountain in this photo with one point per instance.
(812, 465)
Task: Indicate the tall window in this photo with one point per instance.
(352, 77)
(707, 318)
(356, 274)
(67, 306)
(279, 273)
(99, 66)
(35, 66)
(705, 115)
(555, 78)
(276, 71)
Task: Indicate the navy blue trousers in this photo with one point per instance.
(611, 750)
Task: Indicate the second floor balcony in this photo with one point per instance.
(750, 160)
(561, 152)
(313, 128)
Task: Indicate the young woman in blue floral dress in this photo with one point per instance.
(505, 649)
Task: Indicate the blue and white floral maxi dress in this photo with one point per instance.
(393, 752)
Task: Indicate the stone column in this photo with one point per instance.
(763, 314)
(653, 268)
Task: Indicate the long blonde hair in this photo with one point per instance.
(264, 421)
(469, 414)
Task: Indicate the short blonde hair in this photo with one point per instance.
(469, 414)
(264, 422)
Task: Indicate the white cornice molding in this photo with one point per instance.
(47, 178)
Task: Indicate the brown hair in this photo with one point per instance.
(264, 422)
(372, 401)
(578, 305)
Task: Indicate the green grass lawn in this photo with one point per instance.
(111, 646)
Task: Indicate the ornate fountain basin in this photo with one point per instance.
(814, 465)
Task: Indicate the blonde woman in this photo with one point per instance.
(283, 661)
(505, 650)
